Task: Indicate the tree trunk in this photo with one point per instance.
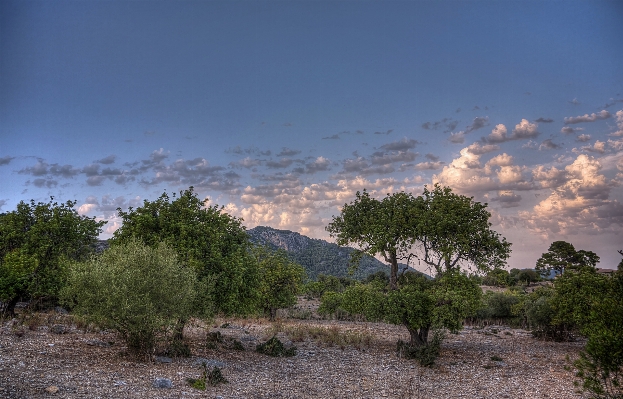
(178, 334)
(273, 314)
(418, 337)
(10, 307)
(393, 278)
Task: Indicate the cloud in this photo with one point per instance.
(41, 183)
(386, 132)
(619, 118)
(431, 157)
(588, 118)
(288, 152)
(401, 145)
(569, 129)
(548, 145)
(479, 122)
(584, 138)
(549, 178)
(544, 120)
(334, 137)
(6, 160)
(599, 147)
(246, 151)
(498, 134)
(319, 164)
(42, 168)
(457, 138)
(507, 199)
(246, 163)
(2, 203)
(429, 165)
(574, 102)
(107, 160)
(531, 145)
(448, 123)
(282, 163)
(478, 149)
(523, 130)
(380, 158)
(581, 204)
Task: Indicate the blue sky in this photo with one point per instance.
(281, 111)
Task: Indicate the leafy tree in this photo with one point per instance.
(280, 280)
(384, 228)
(497, 277)
(524, 276)
(137, 290)
(562, 255)
(594, 303)
(453, 230)
(203, 236)
(35, 240)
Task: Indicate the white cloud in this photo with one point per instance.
(588, 118)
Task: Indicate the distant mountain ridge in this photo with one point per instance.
(315, 255)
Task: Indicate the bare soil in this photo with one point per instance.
(55, 358)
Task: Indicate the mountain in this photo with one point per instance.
(316, 256)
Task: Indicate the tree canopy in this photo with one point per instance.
(35, 239)
(562, 255)
(202, 236)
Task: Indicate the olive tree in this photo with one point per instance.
(444, 230)
(280, 280)
(35, 241)
(137, 290)
(206, 237)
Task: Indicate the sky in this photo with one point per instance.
(281, 111)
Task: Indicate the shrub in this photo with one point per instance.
(274, 347)
(139, 291)
(424, 354)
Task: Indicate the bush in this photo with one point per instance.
(424, 354)
(274, 347)
(497, 305)
(139, 291)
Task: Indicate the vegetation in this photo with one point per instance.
(137, 290)
(562, 255)
(36, 240)
(280, 280)
(275, 348)
(205, 238)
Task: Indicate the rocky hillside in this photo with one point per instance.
(316, 256)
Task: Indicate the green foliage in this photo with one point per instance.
(498, 305)
(497, 278)
(424, 354)
(137, 290)
(280, 279)
(524, 276)
(204, 237)
(213, 377)
(35, 241)
(440, 228)
(453, 230)
(274, 347)
(562, 255)
(595, 303)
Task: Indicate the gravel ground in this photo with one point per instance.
(57, 359)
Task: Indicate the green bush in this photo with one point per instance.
(497, 305)
(274, 347)
(139, 291)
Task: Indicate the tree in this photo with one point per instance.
(35, 241)
(280, 280)
(594, 303)
(137, 290)
(444, 230)
(561, 256)
(204, 237)
(378, 227)
(453, 231)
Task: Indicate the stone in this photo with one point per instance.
(52, 389)
(210, 363)
(163, 359)
(162, 383)
(58, 329)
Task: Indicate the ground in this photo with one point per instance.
(54, 357)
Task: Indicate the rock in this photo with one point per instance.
(163, 359)
(61, 310)
(210, 363)
(58, 329)
(97, 342)
(162, 383)
(52, 389)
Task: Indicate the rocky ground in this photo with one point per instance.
(54, 357)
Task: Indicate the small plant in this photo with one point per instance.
(178, 348)
(274, 347)
(237, 345)
(213, 378)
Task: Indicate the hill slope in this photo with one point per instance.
(316, 256)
